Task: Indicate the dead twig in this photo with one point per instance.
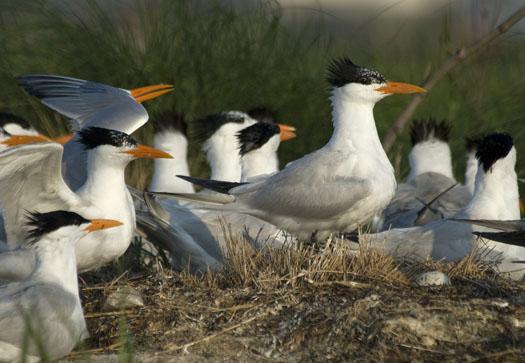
(459, 55)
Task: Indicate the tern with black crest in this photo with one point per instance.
(42, 315)
(495, 198)
(341, 185)
(36, 171)
(430, 192)
(90, 104)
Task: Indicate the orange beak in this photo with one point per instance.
(400, 88)
(98, 224)
(16, 140)
(147, 152)
(287, 132)
(64, 139)
(150, 92)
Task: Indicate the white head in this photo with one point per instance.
(115, 147)
(430, 151)
(496, 194)
(358, 84)
(171, 135)
(217, 134)
(258, 147)
(61, 228)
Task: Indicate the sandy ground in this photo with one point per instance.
(356, 319)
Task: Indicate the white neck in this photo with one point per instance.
(430, 156)
(56, 262)
(105, 180)
(222, 152)
(259, 162)
(471, 170)
(496, 194)
(165, 170)
(355, 128)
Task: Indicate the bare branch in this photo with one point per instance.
(455, 59)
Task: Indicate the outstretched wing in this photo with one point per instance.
(31, 181)
(87, 103)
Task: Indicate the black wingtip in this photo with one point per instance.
(218, 186)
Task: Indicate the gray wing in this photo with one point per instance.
(31, 180)
(411, 198)
(17, 264)
(87, 103)
(303, 190)
(47, 308)
(184, 250)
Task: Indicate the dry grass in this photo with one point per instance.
(307, 303)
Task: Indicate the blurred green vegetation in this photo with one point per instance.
(222, 57)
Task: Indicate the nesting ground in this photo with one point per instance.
(309, 304)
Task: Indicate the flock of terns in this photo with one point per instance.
(67, 208)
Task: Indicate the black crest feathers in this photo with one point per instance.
(43, 223)
(255, 136)
(492, 148)
(343, 71)
(472, 142)
(263, 114)
(7, 118)
(425, 130)
(205, 127)
(92, 137)
(170, 121)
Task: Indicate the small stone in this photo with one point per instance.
(124, 298)
(432, 278)
(517, 323)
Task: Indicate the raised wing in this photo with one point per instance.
(87, 103)
(31, 180)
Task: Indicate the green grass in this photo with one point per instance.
(221, 58)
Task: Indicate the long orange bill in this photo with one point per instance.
(287, 132)
(15, 140)
(98, 224)
(64, 139)
(400, 88)
(147, 152)
(150, 92)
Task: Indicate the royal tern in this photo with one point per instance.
(216, 133)
(41, 315)
(495, 198)
(170, 135)
(15, 129)
(35, 171)
(258, 148)
(430, 191)
(88, 104)
(195, 238)
(339, 186)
